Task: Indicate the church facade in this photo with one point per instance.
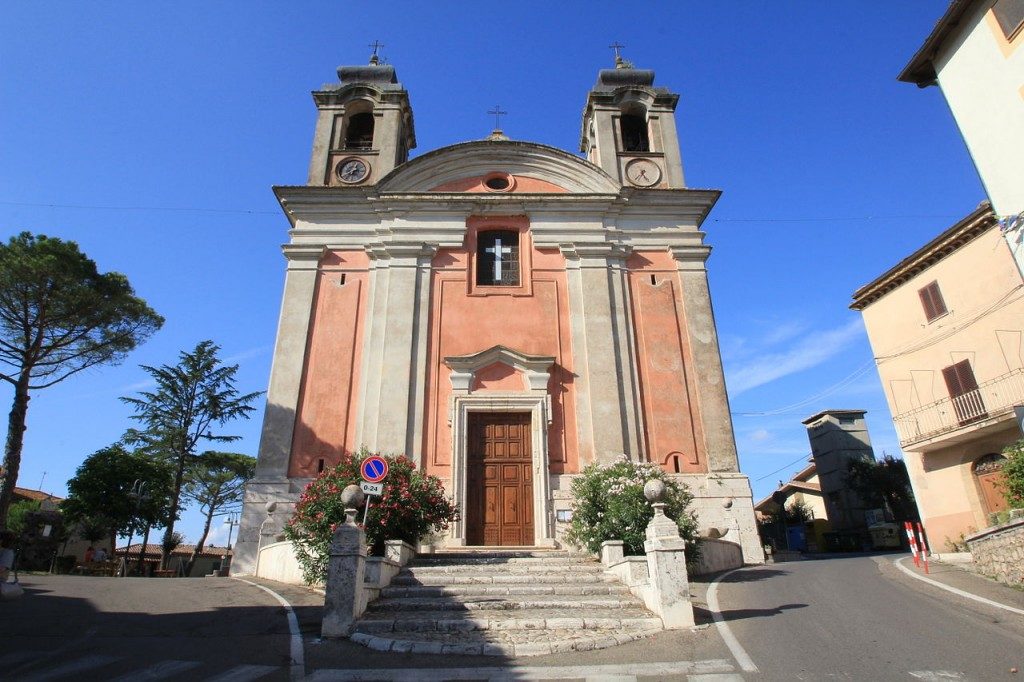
(503, 313)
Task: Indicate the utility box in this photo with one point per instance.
(885, 536)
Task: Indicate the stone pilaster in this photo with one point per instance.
(707, 359)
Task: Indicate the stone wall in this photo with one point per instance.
(999, 552)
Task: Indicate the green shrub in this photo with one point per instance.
(1013, 472)
(413, 505)
(609, 504)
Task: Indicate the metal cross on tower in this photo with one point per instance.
(497, 113)
(617, 46)
(376, 45)
(498, 250)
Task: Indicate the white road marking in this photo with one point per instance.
(518, 672)
(72, 668)
(158, 671)
(244, 673)
(744, 661)
(727, 677)
(936, 583)
(298, 667)
(937, 675)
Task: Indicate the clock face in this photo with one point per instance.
(643, 172)
(353, 170)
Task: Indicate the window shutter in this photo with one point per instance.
(932, 301)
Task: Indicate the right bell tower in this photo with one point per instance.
(629, 128)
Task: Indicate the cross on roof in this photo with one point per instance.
(376, 45)
(617, 46)
(497, 113)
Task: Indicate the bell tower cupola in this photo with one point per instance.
(364, 126)
(629, 128)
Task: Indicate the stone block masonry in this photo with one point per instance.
(999, 552)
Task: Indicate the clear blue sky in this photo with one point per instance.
(151, 134)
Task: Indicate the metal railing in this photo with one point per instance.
(992, 398)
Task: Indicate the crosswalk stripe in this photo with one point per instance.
(242, 673)
(71, 668)
(158, 671)
(517, 672)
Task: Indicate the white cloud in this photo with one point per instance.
(812, 350)
(760, 435)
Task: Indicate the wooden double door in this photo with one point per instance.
(499, 478)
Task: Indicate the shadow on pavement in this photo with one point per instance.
(703, 615)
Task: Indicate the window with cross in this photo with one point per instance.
(497, 258)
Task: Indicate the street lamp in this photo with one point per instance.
(230, 522)
(139, 495)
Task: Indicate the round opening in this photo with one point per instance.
(497, 183)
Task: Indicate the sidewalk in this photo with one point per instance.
(955, 576)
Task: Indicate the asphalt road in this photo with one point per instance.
(859, 618)
(855, 618)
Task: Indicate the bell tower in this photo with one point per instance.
(629, 128)
(364, 126)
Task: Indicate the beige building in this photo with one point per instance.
(946, 327)
(975, 54)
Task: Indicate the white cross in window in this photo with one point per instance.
(498, 250)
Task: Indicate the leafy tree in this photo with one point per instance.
(190, 399)
(17, 514)
(1013, 474)
(798, 513)
(58, 316)
(100, 492)
(883, 484)
(216, 482)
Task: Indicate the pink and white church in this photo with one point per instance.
(504, 313)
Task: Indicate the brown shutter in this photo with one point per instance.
(964, 393)
(932, 301)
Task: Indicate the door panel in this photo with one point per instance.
(499, 500)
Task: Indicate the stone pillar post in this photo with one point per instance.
(343, 603)
(666, 563)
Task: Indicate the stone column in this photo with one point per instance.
(343, 602)
(271, 481)
(666, 563)
(603, 354)
(707, 359)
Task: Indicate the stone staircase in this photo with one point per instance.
(503, 603)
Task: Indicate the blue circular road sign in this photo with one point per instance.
(374, 469)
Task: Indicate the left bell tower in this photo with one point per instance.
(364, 127)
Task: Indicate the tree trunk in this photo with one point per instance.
(12, 449)
(172, 513)
(142, 552)
(202, 540)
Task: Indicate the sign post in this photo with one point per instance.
(374, 469)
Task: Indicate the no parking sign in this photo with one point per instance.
(374, 469)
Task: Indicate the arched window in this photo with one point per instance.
(497, 258)
(359, 131)
(988, 472)
(633, 127)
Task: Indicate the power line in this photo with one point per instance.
(802, 458)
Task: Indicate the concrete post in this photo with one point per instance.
(666, 563)
(345, 571)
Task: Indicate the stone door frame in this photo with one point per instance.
(534, 398)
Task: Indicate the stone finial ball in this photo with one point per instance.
(271, 507)
(654, 490)
(352, 496)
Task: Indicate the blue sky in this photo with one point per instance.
(151, 134)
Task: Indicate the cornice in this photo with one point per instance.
(966, 230)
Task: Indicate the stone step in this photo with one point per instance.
(394, 592)
(408, 578)
(495, 603)
(503, 569)
(509, 558)
(506, 643)
(536, 619)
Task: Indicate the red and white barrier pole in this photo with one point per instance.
(913, 544)
(924, 546)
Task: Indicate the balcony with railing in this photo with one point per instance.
(991, 402)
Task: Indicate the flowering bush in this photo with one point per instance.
(609, 504)
(412, 505)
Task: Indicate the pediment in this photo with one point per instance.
(535, 369)
(460, 167)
